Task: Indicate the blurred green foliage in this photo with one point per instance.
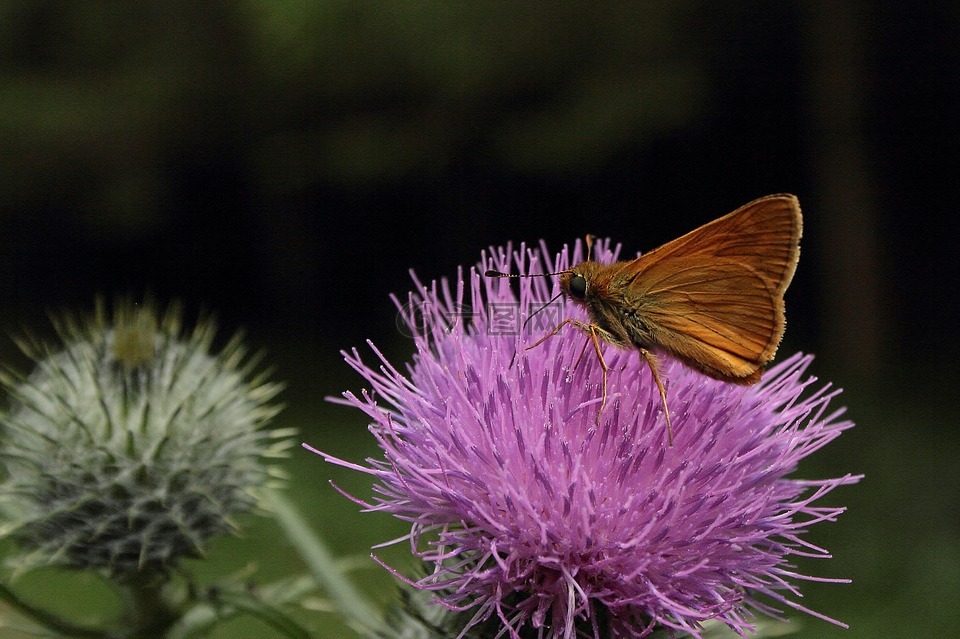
(101, 94)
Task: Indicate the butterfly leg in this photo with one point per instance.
(556, 329)
(592, 329)
(655, 370)
(594, 332)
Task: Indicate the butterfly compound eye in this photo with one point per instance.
(578, 286)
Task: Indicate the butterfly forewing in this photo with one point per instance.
(764, 235)
(723, 315)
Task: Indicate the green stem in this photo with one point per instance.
(351, 604)
(147, 612)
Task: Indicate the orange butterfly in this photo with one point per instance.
(712, 299)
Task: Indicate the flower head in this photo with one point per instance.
(131, 444)
(527, 507)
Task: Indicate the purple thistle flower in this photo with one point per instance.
(527, 508)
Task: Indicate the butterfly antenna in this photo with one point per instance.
(492, 272)
(495, 273)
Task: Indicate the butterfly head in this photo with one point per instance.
(585, 281)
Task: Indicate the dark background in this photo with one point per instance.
(284, 164)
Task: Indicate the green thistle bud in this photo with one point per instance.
(130, 445)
